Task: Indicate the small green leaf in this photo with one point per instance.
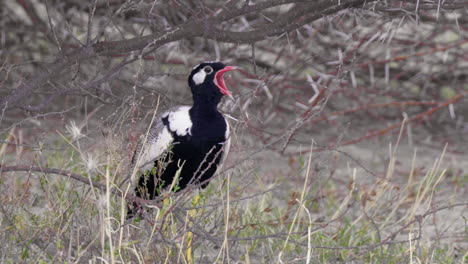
(25, 254)
(447, 92)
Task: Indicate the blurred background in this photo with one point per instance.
(350, 124)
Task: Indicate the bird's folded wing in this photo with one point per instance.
(156, 141)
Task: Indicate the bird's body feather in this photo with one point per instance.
(186, 144)
(169, 142)
(152, 144)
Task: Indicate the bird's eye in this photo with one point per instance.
(208, 69)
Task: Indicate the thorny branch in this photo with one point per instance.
(195, 28)
(372, 60)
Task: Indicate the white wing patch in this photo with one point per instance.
(199, 77)
(180, 122)
(154, 149)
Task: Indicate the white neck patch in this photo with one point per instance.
(199, 77)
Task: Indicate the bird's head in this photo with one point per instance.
(207, 78)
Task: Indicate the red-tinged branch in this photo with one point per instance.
(79, 178)
(414, 118)
(418, 54)
(373, 106)
(392, 127)
(69, 174)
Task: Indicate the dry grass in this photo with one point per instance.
(242, 217)
(379, 88)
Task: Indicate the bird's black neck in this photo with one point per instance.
(204, 108)
(206, 102)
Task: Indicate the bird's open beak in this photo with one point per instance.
(219, 80)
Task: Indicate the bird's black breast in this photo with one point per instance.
(196, 154)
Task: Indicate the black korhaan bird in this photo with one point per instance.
(189, 140)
